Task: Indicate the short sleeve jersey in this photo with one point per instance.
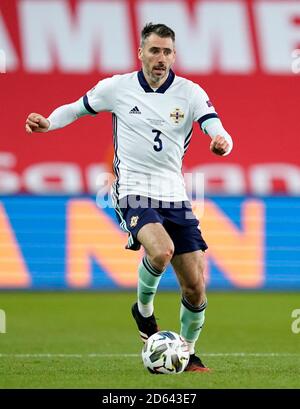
(152, 130)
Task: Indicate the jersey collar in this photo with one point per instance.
(162, 89)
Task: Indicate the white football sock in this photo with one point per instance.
(146, 310)
(191, 347)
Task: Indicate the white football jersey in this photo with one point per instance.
(152, 130)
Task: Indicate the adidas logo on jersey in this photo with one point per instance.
(135, 110)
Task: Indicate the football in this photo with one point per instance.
(165, 352)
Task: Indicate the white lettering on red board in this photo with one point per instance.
(99, 35)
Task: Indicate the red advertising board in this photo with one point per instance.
(245, 54)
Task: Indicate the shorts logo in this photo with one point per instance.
(177, 115)
(133, 221)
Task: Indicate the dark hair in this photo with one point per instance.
(159, 29)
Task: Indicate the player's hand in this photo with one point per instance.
(219, 145)
(36, 123)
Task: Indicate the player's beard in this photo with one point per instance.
(157, 77)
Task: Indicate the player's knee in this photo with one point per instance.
(162, 257)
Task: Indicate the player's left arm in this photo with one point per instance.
(221, 143)
(204, 113)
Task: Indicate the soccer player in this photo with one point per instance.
(153, 114)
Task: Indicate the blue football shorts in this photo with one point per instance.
(133, 212)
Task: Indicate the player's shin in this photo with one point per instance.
(148, 280)
(192, 320)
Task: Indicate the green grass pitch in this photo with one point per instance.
(89, 340)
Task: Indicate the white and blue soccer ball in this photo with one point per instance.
(165, 352)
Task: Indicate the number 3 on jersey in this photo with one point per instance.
(158, 147)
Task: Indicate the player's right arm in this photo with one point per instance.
(99, 98)
(36, 123)
(60, 117)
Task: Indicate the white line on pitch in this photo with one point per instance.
(98, 355)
